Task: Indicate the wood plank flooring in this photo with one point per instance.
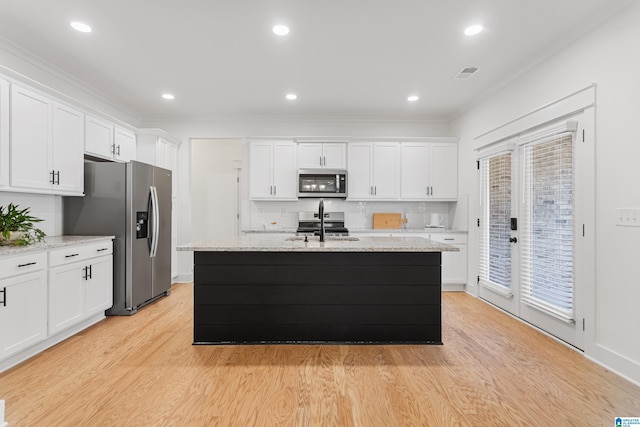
(143, 371)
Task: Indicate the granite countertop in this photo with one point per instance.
(366, 230)
(406, 230)
(52, 242)
(257, 242)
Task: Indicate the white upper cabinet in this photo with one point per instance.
(104, 140)
(415, 171)
(374, 171)
(46, 145)
(30, 139)
(124, 143)
(98, 138)
(67, 151)
(272, 170)
(4, 133)
(330, 155)
(444, 171)
(429, 171)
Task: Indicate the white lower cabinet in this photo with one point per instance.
(44, 306)
(23, 302)
(66, 296)
(80, 284)
(454, 264)
(99, 286)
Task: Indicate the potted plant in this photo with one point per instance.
(17, 226)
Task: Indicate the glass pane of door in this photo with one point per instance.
(496, 265)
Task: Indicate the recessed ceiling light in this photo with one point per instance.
(82, 27)
(281, 30)
(473, 30)
(168, 96)
(291, 96)
(413, 98)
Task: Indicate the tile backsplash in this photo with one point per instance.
(259, 215)
(44, 206)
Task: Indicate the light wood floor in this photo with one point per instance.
(143, 371)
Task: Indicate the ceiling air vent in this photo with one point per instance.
(466, 73)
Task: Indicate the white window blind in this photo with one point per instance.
(495, 222)
(547, 226)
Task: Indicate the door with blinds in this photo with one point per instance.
(549, 293)
(534, 254)
(497, 256)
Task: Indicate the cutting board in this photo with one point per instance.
(388, 220)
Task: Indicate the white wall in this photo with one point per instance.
(607, 56)
(25, 68)
(43, 206)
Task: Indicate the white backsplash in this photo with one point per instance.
(44, 206)
(358, 215)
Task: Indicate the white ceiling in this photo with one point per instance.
(344, 58)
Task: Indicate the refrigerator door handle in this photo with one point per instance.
(155, 214)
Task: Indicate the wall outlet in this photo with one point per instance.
(284, 212)
(627, 217)
(260, 212)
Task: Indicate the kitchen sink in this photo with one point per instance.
(326, 238)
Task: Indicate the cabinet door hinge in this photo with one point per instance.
(478, 222)
(478, 280)
(582, 135)
(478, 164)
(583, 324)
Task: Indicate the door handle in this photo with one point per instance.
(513, 240)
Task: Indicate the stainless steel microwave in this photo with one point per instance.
(322, 183)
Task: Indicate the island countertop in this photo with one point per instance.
(280, 243)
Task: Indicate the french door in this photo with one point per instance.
(497, 252)
(531, 230)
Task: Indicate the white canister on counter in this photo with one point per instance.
(436, 219)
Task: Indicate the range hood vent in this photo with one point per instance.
(466, 73)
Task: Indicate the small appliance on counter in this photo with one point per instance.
(309, 224)
(435, 221)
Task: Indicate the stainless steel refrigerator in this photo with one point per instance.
(133, 202)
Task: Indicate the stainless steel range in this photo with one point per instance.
(309, 224)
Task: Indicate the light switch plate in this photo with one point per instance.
(627, 217)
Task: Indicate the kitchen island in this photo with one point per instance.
(278, 289)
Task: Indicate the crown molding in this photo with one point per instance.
(222, 118)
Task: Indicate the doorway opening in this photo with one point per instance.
(215, 188)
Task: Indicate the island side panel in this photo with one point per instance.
(283, 297)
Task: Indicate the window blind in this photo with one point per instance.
(495, 222)
(547, 226)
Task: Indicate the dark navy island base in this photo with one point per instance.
(317, 297)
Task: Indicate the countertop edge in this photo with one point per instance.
(264, 243)
(52, 242)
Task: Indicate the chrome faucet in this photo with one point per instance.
(321, 215)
